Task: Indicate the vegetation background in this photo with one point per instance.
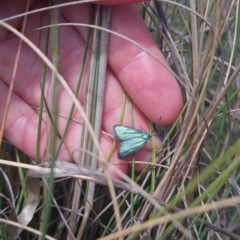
(190, 190)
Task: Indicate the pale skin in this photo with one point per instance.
(153, 89)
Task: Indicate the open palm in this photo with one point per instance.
(153, 90)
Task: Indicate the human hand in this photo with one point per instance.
(154, 91)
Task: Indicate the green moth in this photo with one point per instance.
(131, 140)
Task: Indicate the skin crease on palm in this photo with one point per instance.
(152, 88)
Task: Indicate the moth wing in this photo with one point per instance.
(123, 133)
(130, 146)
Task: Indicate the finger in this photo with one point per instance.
(117, 2)
(22, 124)
(147, 81)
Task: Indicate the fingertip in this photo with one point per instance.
(117, 165)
